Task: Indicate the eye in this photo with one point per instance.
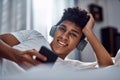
(72, 34)
(62, 29)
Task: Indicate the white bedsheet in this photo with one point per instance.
(63, 73)
(68, 72)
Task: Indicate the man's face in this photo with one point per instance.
(66, 38)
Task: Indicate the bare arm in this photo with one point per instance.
(9, 39)
(103, 57)
(6, 43)
(20, 57)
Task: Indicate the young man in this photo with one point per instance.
(73, 26)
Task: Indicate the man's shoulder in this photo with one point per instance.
(30, 39)
(29, 32)
(24, 35)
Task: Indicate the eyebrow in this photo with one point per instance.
(63, 25)
(75, 31)
(72, 29)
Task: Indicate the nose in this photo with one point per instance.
(65, 36)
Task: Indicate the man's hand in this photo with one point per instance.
(90, 24)
(26, 58)
(23, 58)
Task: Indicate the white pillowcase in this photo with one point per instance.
(117, 58)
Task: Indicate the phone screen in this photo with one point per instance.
(51, 56)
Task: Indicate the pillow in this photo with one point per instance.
(117, 58)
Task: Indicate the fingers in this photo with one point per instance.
(28, 62)
(42, 57)
(88, 13)
(37, 54)
(91, 16)
(27, 65)
(28, 57)
(91, 20)
(90, 24)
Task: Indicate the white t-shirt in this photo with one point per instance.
(31, 39)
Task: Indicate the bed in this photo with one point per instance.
(48, 72)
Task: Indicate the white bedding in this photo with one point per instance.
(63, 72)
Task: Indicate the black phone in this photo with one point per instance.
(51, 56)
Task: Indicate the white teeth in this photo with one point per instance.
(62, 43)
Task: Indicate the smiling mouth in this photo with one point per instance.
(61, 44)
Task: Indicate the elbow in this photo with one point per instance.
(105, 64)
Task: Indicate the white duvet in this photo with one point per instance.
(60, 71)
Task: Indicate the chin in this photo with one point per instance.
(58, 52)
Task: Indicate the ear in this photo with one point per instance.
(82, 44)
(52, 31)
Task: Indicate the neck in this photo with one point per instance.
(62, 56)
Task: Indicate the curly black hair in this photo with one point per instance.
(75, 15)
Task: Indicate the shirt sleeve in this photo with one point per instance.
(30, 39)
(24, 35)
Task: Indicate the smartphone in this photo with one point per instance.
(51, 56)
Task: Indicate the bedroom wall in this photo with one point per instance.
(111, 17)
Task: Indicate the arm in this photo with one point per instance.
(6, 42)
(103, 57)
(20, 57)
(9, 39)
